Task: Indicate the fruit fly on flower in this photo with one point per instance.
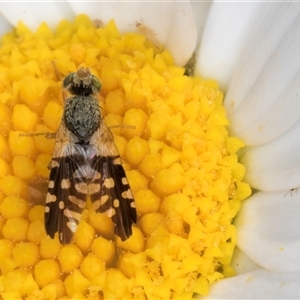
(86, 163)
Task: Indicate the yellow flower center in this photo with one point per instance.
(182, 167)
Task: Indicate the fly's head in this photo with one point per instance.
(82, 83)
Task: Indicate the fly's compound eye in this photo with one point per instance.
(96, 84)
(68, 81)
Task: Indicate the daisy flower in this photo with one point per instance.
(251, 50)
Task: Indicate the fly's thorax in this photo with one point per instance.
(82, 116)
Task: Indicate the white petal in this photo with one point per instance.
(268, 230)
(242, 263)
(171, 22)
(260, 284)
(226, 30)
(33, 13)
(263, 98)
(4, 25)
(275, 166)
(200, 11)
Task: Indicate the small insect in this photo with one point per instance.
(149, 33)
(86, 163)
(190, 65)
(291, 191)
(98, 23)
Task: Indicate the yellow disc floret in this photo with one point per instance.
(69, 258)
(46, 271)
(180, 162)
(25, 254)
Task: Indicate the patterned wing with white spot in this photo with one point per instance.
(109, 189)
(67, 191)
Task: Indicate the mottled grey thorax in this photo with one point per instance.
(82, 117)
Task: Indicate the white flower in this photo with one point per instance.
(253, 51)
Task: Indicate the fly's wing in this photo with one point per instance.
(109, 189)
(67, 189)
